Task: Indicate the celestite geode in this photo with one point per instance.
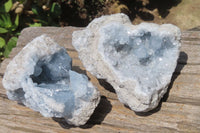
(40, 77)
(137, 60)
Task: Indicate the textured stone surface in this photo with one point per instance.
(41, 78)
(137, 60)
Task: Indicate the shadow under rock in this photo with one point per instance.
(151, 111)
(183, 57)
(100, 112)
(106, 85)
(79, 70)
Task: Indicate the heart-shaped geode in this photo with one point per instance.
(137, 60)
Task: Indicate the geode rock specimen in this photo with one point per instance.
(41, 78)
(137, 60)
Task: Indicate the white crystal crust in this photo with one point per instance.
(137, 60)
(40, 77)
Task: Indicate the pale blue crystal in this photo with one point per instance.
(41, 78)
(137, 60)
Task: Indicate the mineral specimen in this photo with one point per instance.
(137, 60)
(41, 78)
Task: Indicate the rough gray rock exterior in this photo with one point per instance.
(137, 60)
(40, 77)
